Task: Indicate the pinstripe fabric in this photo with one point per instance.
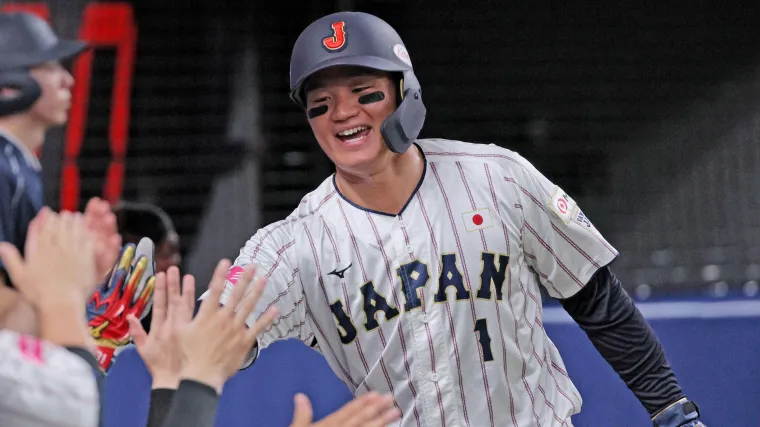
(439, 305)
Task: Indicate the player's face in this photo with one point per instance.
(56, 82)
(346, 107)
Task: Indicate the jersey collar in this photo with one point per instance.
(414, 193)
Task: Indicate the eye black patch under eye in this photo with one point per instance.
(316, 111)
(371, 97)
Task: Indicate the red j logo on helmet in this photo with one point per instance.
(337, 41)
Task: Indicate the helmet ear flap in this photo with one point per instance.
(401, 89)
(26, 91)
(402, 127)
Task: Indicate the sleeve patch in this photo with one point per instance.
(563, 205)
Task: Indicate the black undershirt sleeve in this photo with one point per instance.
(194, 405)
(160, 402)
(623, 337)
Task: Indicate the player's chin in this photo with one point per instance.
(357, 161)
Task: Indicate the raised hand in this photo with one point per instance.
(101, 221)
(57, 275)
(172, 310)
(217, 340)
(59, 259)
(368, 410)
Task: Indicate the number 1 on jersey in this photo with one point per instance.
(481, 328)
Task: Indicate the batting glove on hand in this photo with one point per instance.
(128, 290)
(683, 413)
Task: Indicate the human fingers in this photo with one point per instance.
(261, 324)
(66, 230)
(215, 288)
(48, 232)
(34, 230)
(173, 286)
(302, 413)
(188, 299)
(240, 289)
(75, 235)
(377, 413)
(350, 410)
(136, 330)
(160, 303)
(251, 298)
(13, 263)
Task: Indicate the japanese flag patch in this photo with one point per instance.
(563, 205)
(477, 220)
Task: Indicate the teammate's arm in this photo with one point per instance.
(572, 259)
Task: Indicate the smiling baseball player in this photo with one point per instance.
(416, 268)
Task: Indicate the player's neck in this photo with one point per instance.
(29, 132)
(388, 189)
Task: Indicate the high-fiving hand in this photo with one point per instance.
(218, 339)
(368, 410)
(160, 350)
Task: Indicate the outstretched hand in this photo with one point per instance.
(216, 342)
(101, 221)
(172, 310)
(59, 262)
(368, 410)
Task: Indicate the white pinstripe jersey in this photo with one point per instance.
(441, 304)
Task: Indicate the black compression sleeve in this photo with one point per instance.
(160, 402)
(623, 337)
(194, 405)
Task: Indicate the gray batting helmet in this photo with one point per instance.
(360, 39)
(25, 42)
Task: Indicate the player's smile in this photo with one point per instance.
(354, 135)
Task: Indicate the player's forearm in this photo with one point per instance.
(623, 337)
(62, 322)
(160, 403)
(194, 405)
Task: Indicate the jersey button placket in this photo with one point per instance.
(421, 359)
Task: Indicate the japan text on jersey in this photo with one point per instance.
(439, 305)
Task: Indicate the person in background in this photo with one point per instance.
(35, 96)
(137, 220)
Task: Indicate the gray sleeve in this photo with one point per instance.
(194, 405)
(44, 385)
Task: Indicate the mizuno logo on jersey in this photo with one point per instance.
(477, 220)
(340, 273)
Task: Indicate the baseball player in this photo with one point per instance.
(416, 268)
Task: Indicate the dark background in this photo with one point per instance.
(646, 114)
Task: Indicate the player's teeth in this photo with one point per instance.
(352, 131)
